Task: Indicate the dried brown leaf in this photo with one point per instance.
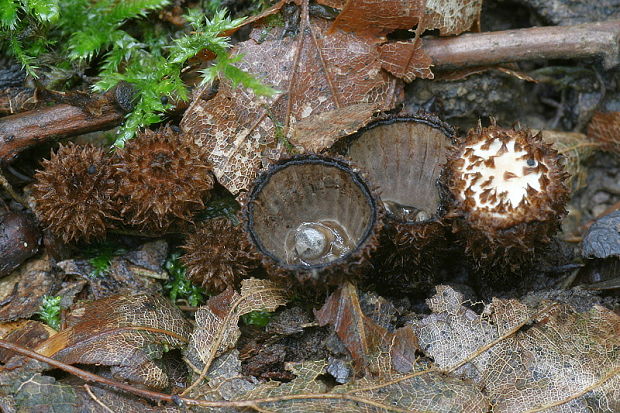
(379, 17)
(576, 149)
(319, 132)
(406, 60)
(563, 361)
(371, 346)
(26, 333)
(22, 291)
(217, 322)
(127, 332)
(423, 391)
(314, 72)
(604, 128)
(336, 4)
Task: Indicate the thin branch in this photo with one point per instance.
(156, 396)
(23, 130)
(536, 43)
(99, 402)
(84, 375)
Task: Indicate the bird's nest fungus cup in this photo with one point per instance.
(313, 216)
(403, 155)
(509, 195)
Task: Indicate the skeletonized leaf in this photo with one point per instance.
(604, 128)
(217, 322)
(424, 391)
(451, 16)
(576, 148)
(564, 361)
(126, 332)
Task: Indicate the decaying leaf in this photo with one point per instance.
(604, 128)
(379, 17)
(451, 16)
(127, 332)
(320, 131)
(406, 60)
(224, 380)
(136, 271)
(423, 391)
(562, 361)
(602, 240)
(22, 291)
(217, 322)
(26, 333)
(373, 348)
(27, 390)
(576, 149)
(315, 72)
(95, 399)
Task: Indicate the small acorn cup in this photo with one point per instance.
(509, 195)
(314, 217)
(403, 155)
(73, 193)
(163, 178)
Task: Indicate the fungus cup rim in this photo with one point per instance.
(356, 177)
(425, 118)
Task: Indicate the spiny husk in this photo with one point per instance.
(163, 177)
(511, 241)
(73, 193)
(216, 256)
(347, 267)
(407, 257)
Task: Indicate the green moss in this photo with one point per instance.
(178, 286)
(147, 54)
(101, 256)
(49, 312)
(257, 318)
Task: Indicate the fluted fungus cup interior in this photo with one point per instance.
(404, 157)
(310, 212)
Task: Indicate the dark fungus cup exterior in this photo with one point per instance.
(314, 217)
(509, 195)
(404, 155)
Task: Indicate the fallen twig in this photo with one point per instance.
(23, 130)
(553, 42)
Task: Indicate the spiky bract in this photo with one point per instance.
(73, 193)
(216, 255)
(162, 176)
